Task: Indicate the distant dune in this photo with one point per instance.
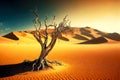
(95, 41)
(5, 40)
(79, 37)
(85, 34)
(63, 38)
(113, 36)
(11, 36)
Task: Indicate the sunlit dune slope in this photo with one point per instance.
(90, 62)
(3, 40)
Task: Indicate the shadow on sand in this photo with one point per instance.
(13, 69)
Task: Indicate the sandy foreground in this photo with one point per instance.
(80, 62)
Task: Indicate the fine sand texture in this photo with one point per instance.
(80, 61)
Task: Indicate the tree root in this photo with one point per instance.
(44, 64)
(54, 62)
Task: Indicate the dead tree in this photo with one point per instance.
(42, 39)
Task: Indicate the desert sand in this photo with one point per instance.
(80, 61)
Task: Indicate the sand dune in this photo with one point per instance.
(81, 62)
(86, 32)
(79, 37)
(3, 40)
(81, 34)
(113, 36)
(98, 40)
(11, 36)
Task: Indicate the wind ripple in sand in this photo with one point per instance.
(66, 72)
(84, 62)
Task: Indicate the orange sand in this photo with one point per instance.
(81, 62)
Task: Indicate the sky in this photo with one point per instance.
(17, 15)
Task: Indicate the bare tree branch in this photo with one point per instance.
(37, 33)
(45, 47)
(46, 33)
(57, 31)
(64, 19)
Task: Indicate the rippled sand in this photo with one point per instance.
(80, 62)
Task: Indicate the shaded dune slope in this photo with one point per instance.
(86, 32)
(62, 37)
(113, 36)
(95, 41)
(79, 37)
(11, 36)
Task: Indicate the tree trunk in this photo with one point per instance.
(41, 62)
